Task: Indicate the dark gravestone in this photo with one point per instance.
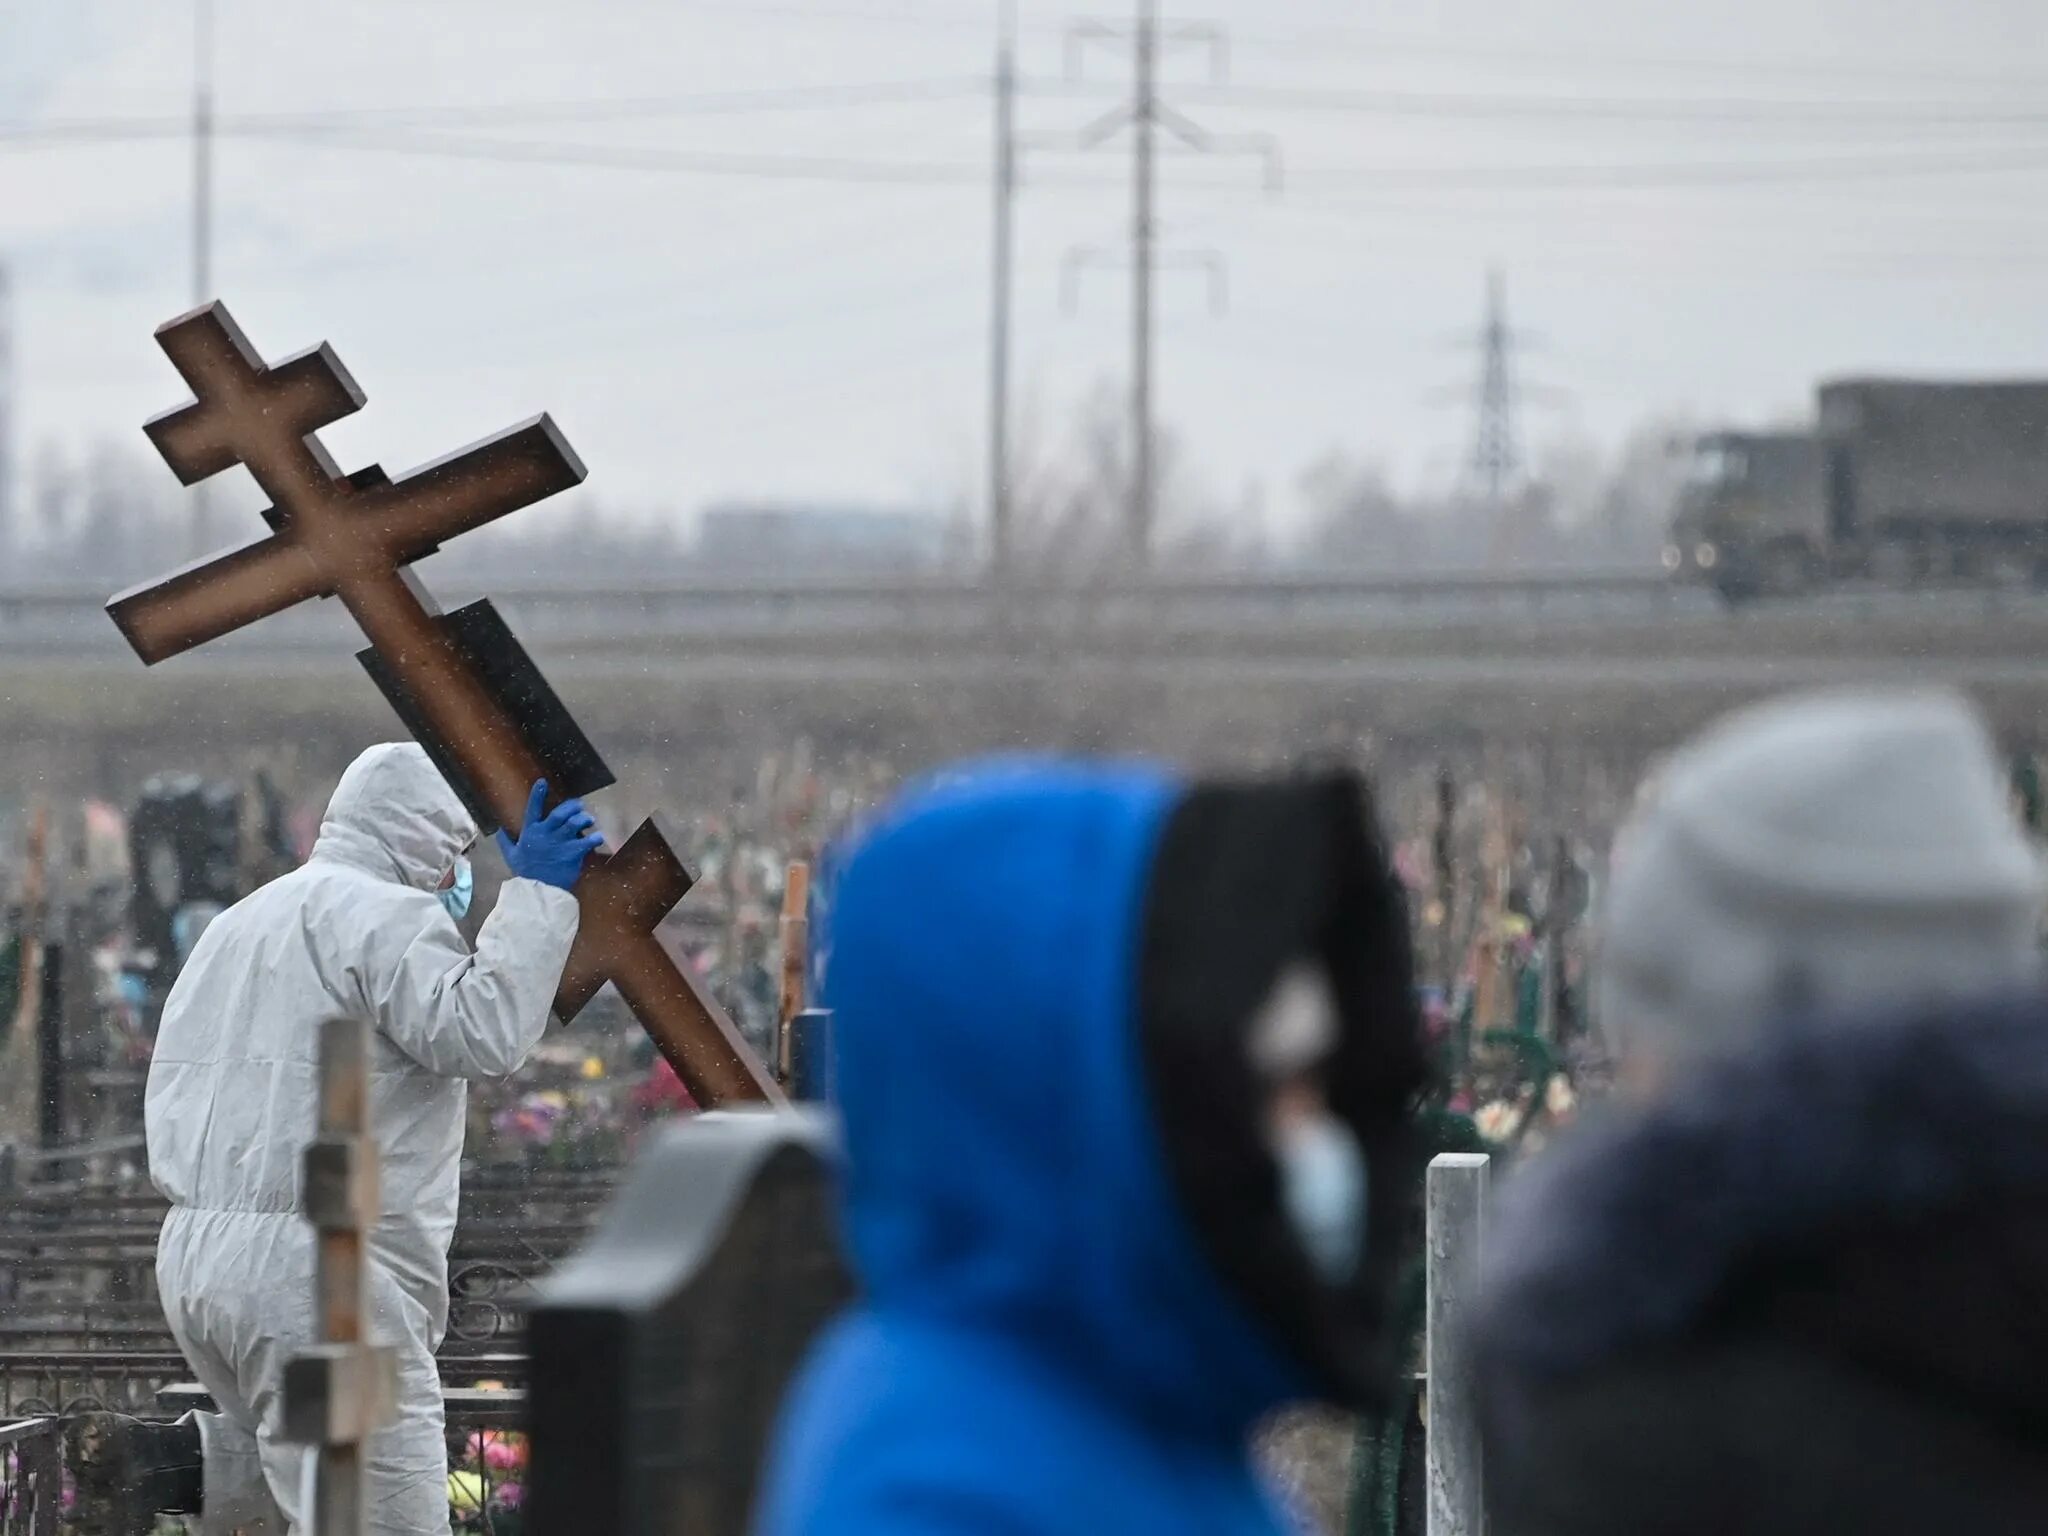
(661, 1351)
(489, 649)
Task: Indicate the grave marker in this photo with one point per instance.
(662, 1351)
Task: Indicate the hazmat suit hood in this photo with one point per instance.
(394, 816)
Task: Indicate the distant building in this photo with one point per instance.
(819, 540)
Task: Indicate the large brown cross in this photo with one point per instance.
(353, 537)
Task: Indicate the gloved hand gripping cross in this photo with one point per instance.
(553, 844)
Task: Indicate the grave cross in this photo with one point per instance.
(354, 537)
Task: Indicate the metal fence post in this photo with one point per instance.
(1456, 1202)
(810, 1056)
(50, 1042)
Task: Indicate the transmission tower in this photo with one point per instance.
(1496, 455)
(1494, 465)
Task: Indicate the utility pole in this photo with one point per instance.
(202, 206)
(202, 152)
(1000, 553)
(1145, 114)
(7, 503)
(1144, 118)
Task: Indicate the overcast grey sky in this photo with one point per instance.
(1700, 208)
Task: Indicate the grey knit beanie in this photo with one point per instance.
(1820, 851)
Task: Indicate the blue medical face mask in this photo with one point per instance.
(456, 897)
(1323, 1184)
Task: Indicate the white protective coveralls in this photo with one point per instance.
(231, 1105)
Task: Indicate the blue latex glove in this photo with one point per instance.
(552, 848)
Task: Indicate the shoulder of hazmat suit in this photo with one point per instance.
(1046, 1342)
(231, 1101)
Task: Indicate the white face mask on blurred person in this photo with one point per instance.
(1323, 1169)
(1323, 1181)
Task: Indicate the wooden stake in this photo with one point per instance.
(339, 1390)
(796, 954)
(17, 1080)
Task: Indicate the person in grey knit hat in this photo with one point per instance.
(1818, 852)
(1790, 1280)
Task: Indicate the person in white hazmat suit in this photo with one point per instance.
(366, 928)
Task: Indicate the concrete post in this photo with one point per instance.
(1456, 1200)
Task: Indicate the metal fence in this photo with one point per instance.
(36, 1383)
(51, 1382)
(76, 1167)
(40, 1390)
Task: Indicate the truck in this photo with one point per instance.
(1899, 481)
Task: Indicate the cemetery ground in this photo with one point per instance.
(79, 1324)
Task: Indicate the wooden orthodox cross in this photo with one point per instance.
(459, 681)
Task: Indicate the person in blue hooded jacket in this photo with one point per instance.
(1126, 1067)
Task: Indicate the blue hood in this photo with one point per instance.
(985, 943)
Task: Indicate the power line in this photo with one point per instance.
(112, 130)
(1987, 159)
(519, 113)
(1658, 175)
(1677, 173)
(627, 158)
(1399, 234)
(1323, 41)
(795, 98)
(1903, 115)
(1719, 111)
(2005, 217)
(1578, 60)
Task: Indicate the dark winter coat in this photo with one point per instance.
(1805, 1292)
